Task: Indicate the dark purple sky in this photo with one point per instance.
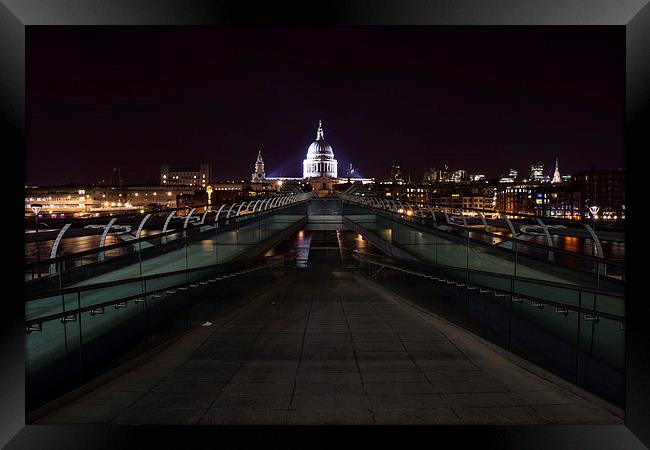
(481, 99)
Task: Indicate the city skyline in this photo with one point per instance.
(476, 100)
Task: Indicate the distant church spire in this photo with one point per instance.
(259, 175)
(556, 175)
(319, 133)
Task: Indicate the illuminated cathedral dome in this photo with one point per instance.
(320, 160)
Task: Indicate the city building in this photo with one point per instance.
(240, 191)
(320, 169)
(320, 160)
(458, 176)
(537, 172)
(509, 177)
(434, 175)
(259, 175)
(396, 175)
(602, 189)
(84, 200)
(194, 175)
(515, 198)
(541, 199)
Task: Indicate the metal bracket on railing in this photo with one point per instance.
(69, 318)
(591, 318)
(121, 305)
(142, 299)
(535, 304)
(95, 311)
(517, 300)
(34, 327)
(560, 310)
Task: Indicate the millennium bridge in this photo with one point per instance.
(345, 309)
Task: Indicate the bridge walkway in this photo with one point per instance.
(327, 346)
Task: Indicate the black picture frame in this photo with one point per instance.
(634, 15)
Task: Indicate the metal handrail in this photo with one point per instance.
(505, 213)
(135, 296)
(536, 299)
(505, 238)
(47, 262)
(506, 276)
(105, 284)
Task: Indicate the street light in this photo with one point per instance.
(36, 207)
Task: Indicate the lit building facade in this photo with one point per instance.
(602, 188)
(396, 175)
(84, 200)
(543, 200)
(458, 176)
(196, 175)
(240, 191)
(537, 172)
(509, 177)
(320, 160)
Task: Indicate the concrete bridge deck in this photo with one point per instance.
(327, 346)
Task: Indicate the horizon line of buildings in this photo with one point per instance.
(568, 196)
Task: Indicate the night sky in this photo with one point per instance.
(480, 99)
